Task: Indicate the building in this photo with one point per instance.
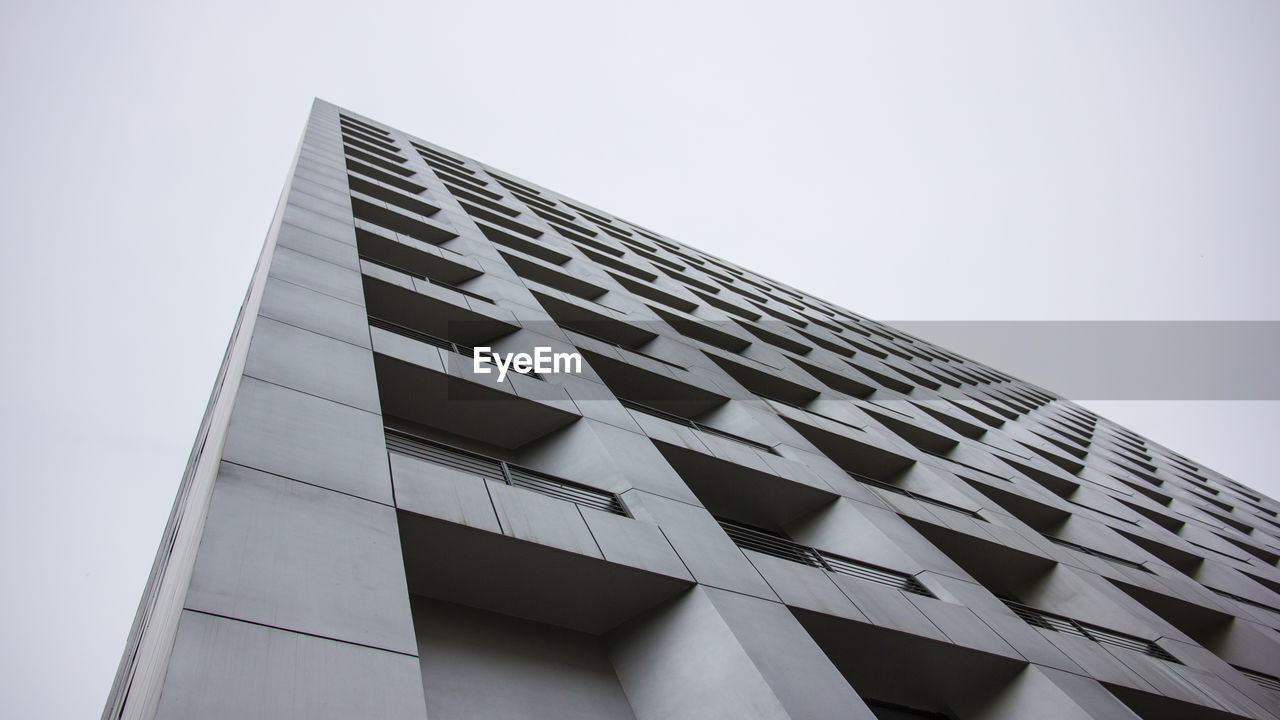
(747, 503)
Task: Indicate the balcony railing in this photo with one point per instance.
(641, 407)
(606, 341)
(1064, 624)
(424, 278)
(775, 544)
(439, 342)
(420, 336)
(1097, 553)
(975, 468)
(489, 468)
(1270, 682)
(914, 496)
(1244, 600)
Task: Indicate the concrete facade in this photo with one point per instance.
(749, 504)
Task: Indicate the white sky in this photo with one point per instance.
(908, 160)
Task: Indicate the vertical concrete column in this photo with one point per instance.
(297, 605)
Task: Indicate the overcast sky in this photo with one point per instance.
(909, 161)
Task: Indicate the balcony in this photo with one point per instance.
(672, 417)
(399, 441)
(780, 546)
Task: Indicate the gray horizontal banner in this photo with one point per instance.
(1078, 360)
(1122, 360)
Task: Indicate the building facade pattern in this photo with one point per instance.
(750, 503)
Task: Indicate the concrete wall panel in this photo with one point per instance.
(303, 437)
(224, 668)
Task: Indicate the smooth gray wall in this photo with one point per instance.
(479, 665)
